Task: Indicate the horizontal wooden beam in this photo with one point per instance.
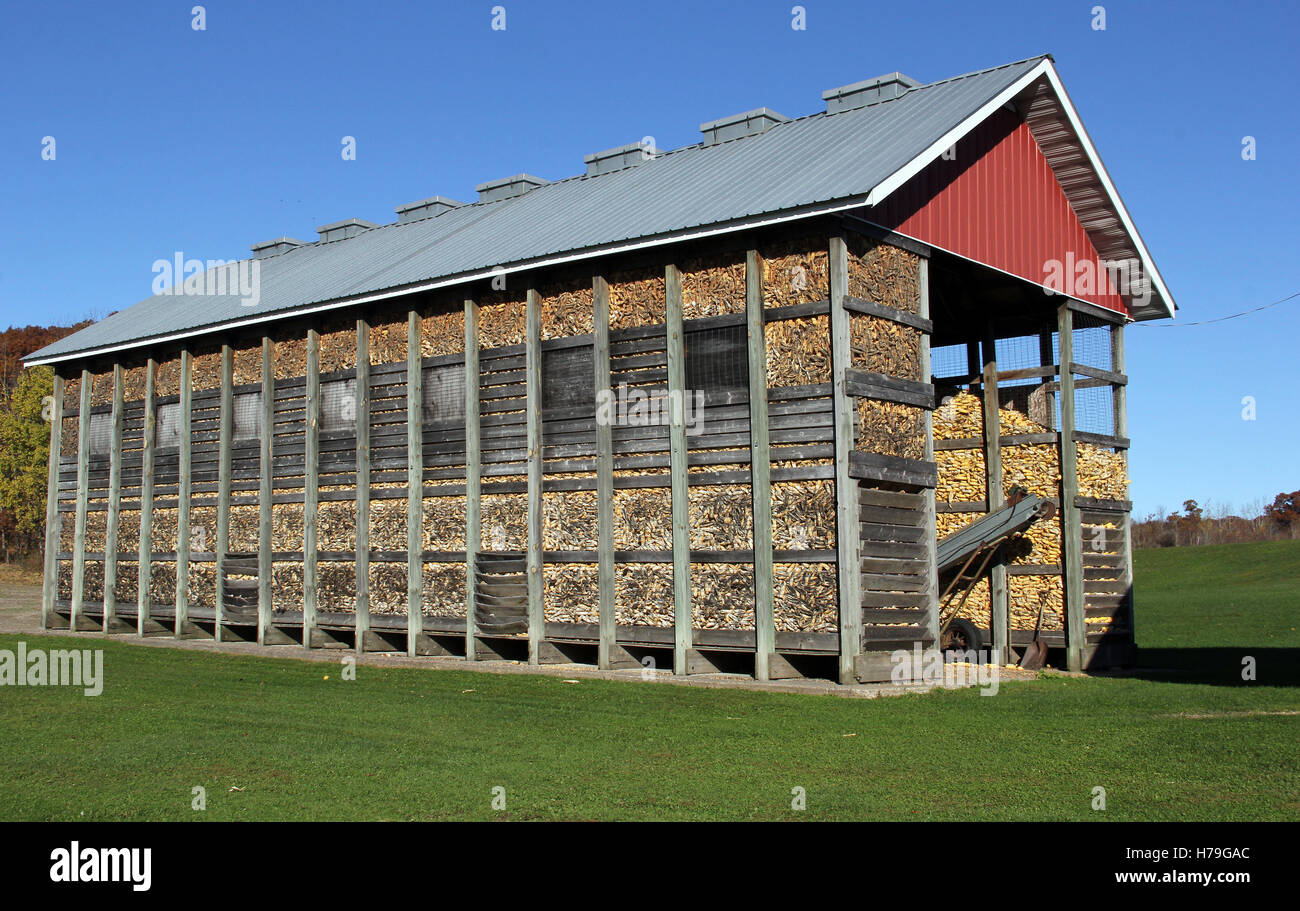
(873, 466)
(1108, 376)
(893, 314)
(879, 386)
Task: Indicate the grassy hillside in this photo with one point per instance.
(1224, 595)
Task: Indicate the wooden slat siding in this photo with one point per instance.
(676, 342)
(927, 419)
(846, 488)
(604, 477)
(533, 361)
(473, 475)
(114, 502)
(999, 597)
(414, 484)
(53, 518)
(311, 481)
(760, 467)
(1071, 529)
(225, 444)
(1119, 399)
(83, 501)
(149, 439)
(266, 473)
(871, 308)
(362, 482)
(183, 495)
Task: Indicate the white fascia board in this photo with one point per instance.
(891, 183)
(1090, 150)
(1045, 68)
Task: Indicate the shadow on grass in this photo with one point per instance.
(1218, 666)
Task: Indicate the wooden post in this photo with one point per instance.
(848, 551)
(53, 518)
(362, 628)
(225, 454)
(266, 470)
(83, 501)
(999, 601)
(183, 497)
(1071, 529)
(114, 506)
(930, 522)
(533, 365)
(149, 443)
(760, 469)
(1119, 402)
(473, 477)
(682, 611)
(414, 483)
(310, 489)
(604, 478)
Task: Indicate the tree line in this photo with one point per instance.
(25, 396)
(1217, 524)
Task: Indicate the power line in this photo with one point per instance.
(1206, 322)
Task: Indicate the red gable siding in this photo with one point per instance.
(998, 202)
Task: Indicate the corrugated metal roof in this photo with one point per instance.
(811, 160)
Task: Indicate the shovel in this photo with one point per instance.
(1036, 654)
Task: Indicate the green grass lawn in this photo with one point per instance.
(1193, 743)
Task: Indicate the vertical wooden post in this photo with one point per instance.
(414, 483)
(473, 477)
(677, 452)
(266, 472)
(1071, 529)
(999, 601)
(310, 489)
(760, 469)
(114, 506)
(1119, 402)
(53, 519)
(362, 628)
(930, 521)
(149, 443)
(847, 531)
(225, 455)
(533, 565)
(83, 501)
(604, 477)
(183, 497)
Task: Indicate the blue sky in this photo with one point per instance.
(173, 139)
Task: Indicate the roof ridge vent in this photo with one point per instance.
(750, 123)
(349, 227)
(272, 247)
(868, 91)
(507, 187)
(617, 159)
(425, 208)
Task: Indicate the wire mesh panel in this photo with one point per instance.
(948, 360)
(101, 435)
(1094, 410)
(717, 360)
(248, 417)
(338, 406)
(444, 395)
(568, 378)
